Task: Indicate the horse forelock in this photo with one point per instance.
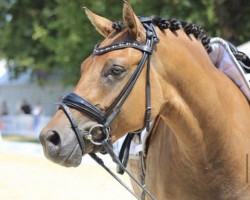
(118, 25)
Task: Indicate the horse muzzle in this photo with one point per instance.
(59, 150)
(61, 145)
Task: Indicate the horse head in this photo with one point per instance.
(103, 78)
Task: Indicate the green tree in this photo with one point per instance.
(55, 35)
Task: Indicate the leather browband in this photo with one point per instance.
(121, 45)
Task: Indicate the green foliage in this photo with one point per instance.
(56, 36)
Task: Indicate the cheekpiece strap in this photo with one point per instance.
(73, 125)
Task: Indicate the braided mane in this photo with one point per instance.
(173, 25)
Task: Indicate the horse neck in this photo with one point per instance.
(187, 71)
(197, 119)
(194, 89)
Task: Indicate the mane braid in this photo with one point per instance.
(189, 28)
(174, 25)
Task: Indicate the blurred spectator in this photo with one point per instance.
(4, 109)
(25, 107)
(37, 111)
(1, 127)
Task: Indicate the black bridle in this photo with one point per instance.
(105, 118)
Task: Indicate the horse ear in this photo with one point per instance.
(134, 25)
(102, 25)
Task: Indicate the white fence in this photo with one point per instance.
(25, 125)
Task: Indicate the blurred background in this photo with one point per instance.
(42, 44)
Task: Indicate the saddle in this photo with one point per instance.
(234, 64)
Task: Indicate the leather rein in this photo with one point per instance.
(105, 118)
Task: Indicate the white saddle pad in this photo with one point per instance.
(223, 58)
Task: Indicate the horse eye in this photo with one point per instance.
(116, 70)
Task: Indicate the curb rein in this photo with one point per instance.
(105, 118)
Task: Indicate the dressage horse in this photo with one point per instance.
(200, 137)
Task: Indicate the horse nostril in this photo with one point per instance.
(53, 137)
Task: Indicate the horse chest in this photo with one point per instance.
(170, 175)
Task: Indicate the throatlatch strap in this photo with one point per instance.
(124, 152)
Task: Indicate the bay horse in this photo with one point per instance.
(200, 137)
